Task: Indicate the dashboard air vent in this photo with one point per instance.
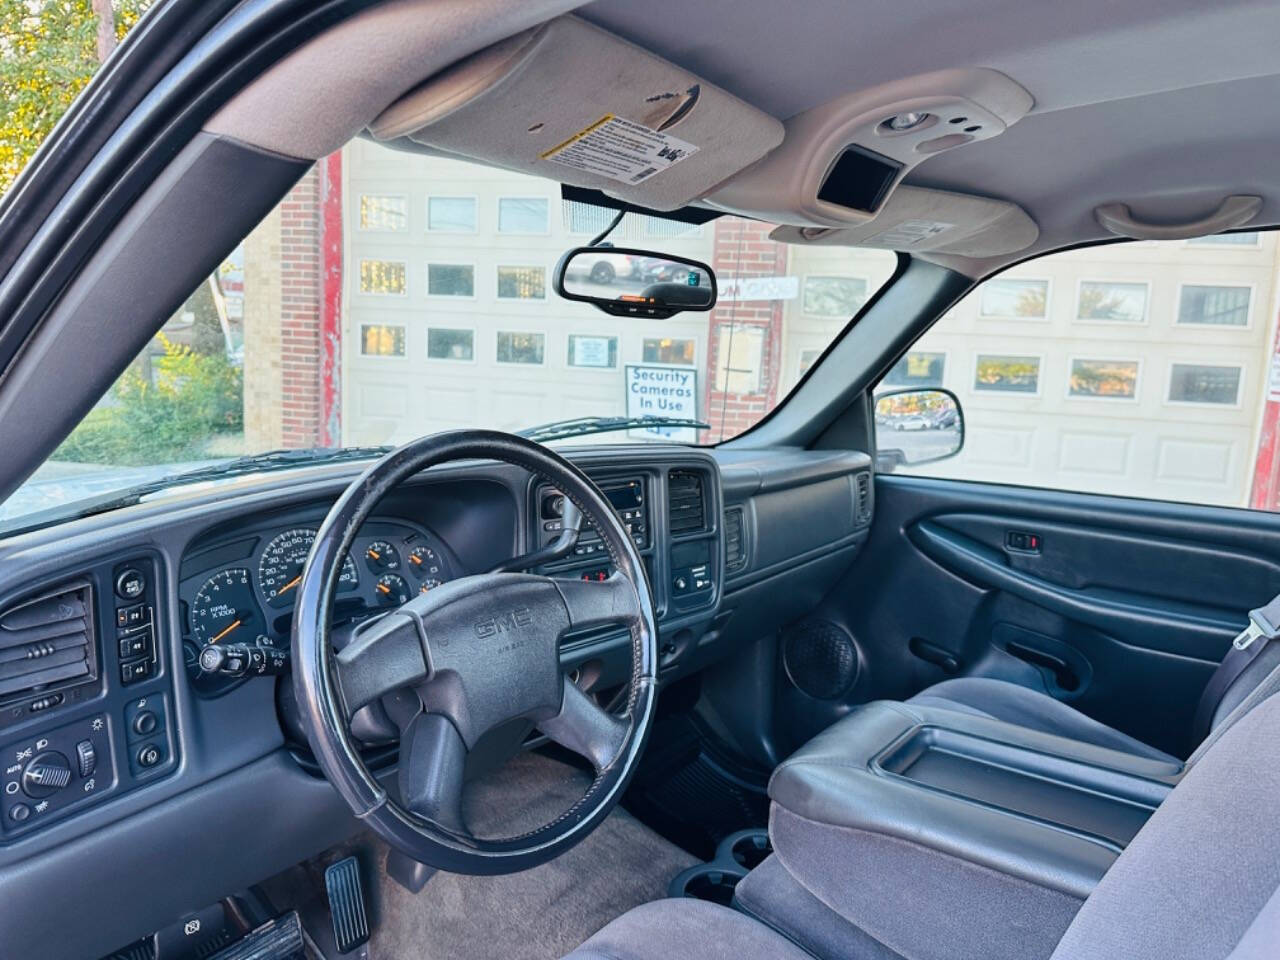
(735, 544)
(46, 641)
(863, 484)
(684, 502)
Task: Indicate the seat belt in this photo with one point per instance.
(1264, 626)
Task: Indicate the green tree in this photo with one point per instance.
(49, 50)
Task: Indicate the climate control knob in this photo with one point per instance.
(46, 774)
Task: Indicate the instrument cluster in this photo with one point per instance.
(249, 595)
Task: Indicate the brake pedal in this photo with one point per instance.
(346, 904)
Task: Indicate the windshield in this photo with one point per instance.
(391, 295)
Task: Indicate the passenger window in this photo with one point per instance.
(1135, 369)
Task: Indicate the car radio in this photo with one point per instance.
(626, 496)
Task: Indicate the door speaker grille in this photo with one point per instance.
(820, 658)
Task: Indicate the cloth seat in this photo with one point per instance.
(1014, 703)
(687, 930)
(1199, 881)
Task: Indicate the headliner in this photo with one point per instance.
(1167, 106)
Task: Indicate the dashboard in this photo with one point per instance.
(122, 757)
(242, 588)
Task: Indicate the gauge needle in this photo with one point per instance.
(289, 586)
(383, 588)
(413, 559)
(374, 554)
(222, 633)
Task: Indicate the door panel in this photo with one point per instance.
(1120, 607)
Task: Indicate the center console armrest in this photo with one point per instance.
(946, 834)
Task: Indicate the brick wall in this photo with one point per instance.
(283, 298)
(742, 249)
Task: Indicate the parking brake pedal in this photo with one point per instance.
(346, 904)
(278, 939)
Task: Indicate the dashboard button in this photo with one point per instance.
(134, 671)
(135, 645)
(131, 584)
(19, 812)
(87, 757)
(149, 756)
(145, 723)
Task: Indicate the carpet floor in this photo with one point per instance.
(540, 914)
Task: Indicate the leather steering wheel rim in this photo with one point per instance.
(454, 650)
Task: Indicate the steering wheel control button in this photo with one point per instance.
(46, 774)
(131, 584)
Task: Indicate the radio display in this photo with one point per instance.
(626, 496)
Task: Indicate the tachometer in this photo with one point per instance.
(280, 570)
(225, 610)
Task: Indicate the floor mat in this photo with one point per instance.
(539, 914)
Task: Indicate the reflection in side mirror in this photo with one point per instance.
(915, 427)
(635, 283)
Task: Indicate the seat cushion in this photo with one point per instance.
(1013, 703)
(686, 930)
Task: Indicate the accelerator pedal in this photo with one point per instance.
(346, 904)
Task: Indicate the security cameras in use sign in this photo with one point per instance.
(662, 390)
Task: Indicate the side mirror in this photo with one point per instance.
(635, 283)
(916, 426)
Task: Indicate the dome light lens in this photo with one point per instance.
(906, 121)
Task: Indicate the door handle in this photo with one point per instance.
(1063, 673)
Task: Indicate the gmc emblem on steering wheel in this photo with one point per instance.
(503, 622)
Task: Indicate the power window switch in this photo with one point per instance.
(87, 757)
(1022, 542)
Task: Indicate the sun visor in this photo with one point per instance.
(574, 103)
(920, 220)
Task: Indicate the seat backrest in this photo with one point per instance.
(1230, 685)
(1206, 866)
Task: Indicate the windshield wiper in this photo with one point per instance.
(581, 426)
(239, 466)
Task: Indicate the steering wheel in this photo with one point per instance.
(467, 657)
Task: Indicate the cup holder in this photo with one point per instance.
(708, 881)
(747, 848)
(737, 855)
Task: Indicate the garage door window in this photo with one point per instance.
(452, 214)
(1015, 299)
(451, 280)
(1201, 383)
(384, 278)
(382, 340)
(522, 283)
(450, 344)
(593, 351)
(1214, 305)
(917, 369)
(1153, 371)
(1103, 379)
(529, 348)
(995, 373)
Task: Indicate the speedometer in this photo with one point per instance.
(280, 570)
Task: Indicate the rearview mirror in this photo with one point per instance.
(917, 426)
(635, 283)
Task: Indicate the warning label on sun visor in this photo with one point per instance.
(620, 150)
